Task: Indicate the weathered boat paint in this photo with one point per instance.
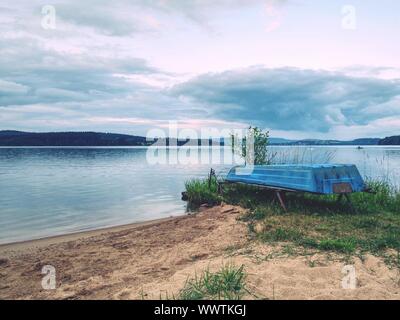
(315, 178)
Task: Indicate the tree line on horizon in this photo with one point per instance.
(19, 138)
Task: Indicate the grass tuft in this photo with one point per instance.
(345, 245)
(201, 192)
(229, 283)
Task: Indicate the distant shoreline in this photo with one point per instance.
(99, 139)
(170, 147)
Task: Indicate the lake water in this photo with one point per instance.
(52, 191)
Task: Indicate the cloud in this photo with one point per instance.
(59, 80)
(381, 127)
(31, 72)
(292, 99)
(12, 88)
(123, 17)
(86, 75)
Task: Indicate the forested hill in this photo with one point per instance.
(394, 140)
(18, 138)
(84, 139)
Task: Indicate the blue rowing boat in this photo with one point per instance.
(315, 178)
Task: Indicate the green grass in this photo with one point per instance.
(229, 283)
(321, 222)
(201, 192)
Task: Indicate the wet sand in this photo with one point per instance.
(21, 246)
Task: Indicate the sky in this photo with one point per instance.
(299, 68)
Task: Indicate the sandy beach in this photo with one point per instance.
(154, 259)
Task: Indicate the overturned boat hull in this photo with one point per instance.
(316, 178)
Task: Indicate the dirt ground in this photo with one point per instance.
(153, 260)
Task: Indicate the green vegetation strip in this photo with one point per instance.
(316, 222)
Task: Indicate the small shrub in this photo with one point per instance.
(255, 141)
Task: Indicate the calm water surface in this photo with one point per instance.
(52, 191)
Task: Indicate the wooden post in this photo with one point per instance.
(212, 174)
(280, 197)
